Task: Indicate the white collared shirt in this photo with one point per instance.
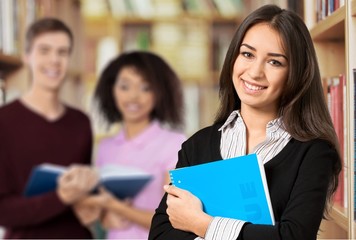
(233, 138)
(233, 144)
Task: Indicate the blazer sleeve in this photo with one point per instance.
(161, 227)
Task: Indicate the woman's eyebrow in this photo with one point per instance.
(269, 54)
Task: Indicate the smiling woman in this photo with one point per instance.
(134, 97)
(272, 104)
(143, 93)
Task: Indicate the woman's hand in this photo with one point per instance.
(126, 211)
(112, 202)
(90, 209)
(185, 211)
(111, 218)
(87, 214)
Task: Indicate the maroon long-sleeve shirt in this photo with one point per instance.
(26, 140)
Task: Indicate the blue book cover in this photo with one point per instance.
(233, 188)
(43, 179)
(123, 182)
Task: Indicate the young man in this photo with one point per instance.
(39, 128)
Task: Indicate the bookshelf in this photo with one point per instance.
(191, 35)
(200, 36)
(351, 33)
(333, 30)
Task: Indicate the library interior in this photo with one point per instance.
(193, 36)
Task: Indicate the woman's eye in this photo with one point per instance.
(246, 54)
(276, 63)
(122, 86)
(146, 88)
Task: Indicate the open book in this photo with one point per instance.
(122, 181)
(233, 188)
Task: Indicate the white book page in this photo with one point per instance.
(119, 171)
(53, 168)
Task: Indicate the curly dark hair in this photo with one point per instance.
(163, 80)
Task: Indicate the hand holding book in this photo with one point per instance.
(123, 182)
(76, 182)
(233, 188)
(186, 211)
(97, 207)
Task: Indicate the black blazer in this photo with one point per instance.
(298, 179)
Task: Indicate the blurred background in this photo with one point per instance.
(191, 35)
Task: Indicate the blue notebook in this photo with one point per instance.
(233, 188)
(123, 182)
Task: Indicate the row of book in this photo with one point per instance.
(335, 93)
(186, 47)
(162, 8)
(15, 15)
(173, 8)
(325, 8)
(182, 45)
(9, 36)
(227, 8)
(335, 90)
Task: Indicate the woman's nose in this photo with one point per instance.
(134, 93)
(256, 70)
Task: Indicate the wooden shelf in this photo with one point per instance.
(331, 28)
(9, 63)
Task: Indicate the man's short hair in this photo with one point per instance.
(46, 25)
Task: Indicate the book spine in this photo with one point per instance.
(7, 22)
(343, 134)
(337, 115)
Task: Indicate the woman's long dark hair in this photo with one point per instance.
(302, 108)
(166, 86)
